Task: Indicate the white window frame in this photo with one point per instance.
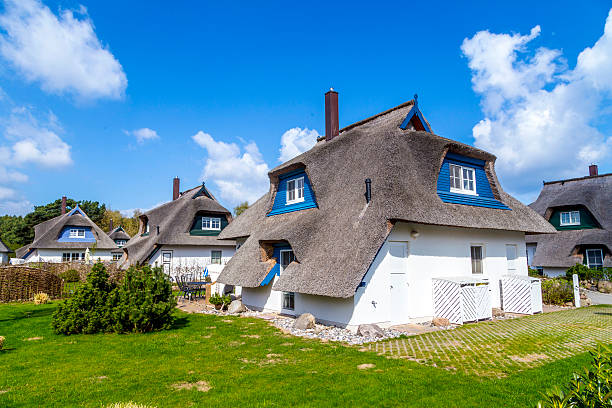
(574, 218)
(117, 257)
(77, 233)
(211, 224)
(462, 180)
(586, 253)
(282, 268)
(121, 242)
(220, 257)
(297, 190)
(482, 259)
(291, 300)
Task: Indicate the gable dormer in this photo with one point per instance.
(415, 120)
(463, 180)
(76, 233)
(294, 193)
(208, 224)
(575, 217)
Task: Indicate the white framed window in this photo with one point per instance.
(594, 258)
(215, 257)
(116, 257)
(77, 233)
(462, 179)
(477, 256)
(211, 223)
(570, 217)
(289, 300)
(286, 257)
(295, 190)
(66, 257)
(121, 242)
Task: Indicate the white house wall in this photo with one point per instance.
(433, 251)
(55, 255)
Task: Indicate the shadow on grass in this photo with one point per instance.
(603, 313)
(180, 323)
(29, 314)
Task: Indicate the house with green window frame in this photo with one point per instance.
(580, 209)
(181, 236)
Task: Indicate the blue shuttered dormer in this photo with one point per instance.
(64, 236)
(280, 201)
(484, 197)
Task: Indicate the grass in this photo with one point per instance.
(215, 361)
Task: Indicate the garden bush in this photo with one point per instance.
(581, 270)
(590, 389)
(71, 275)
(557, 291)
(41, 298)
(143, 301)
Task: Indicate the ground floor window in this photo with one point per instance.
(66, 257)
(215, 257)
(116, 257)
(594, 258)
(289, 300)
(476, 254)
(73, 257)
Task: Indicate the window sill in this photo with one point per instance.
(294, 202)
(465, 192)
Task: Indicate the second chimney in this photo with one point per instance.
(593, 171)
(110, 225)
(63, 205)
(175, 188)
(331, 114)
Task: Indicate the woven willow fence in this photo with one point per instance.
(21, 283)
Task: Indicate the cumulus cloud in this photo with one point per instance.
(238, 173)
(144, 134)
(296, 141)
(61, 52)
(539, 113)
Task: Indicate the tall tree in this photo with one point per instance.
(240, 208)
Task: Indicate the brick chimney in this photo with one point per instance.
(110, 225)
(175, 188)
(331, 114)
(63, 205)
(593, 171)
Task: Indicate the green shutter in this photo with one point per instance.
(196, 228)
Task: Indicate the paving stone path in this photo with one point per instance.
(500, 348)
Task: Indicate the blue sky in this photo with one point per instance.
(108, 101)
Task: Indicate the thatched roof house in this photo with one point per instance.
(119, 234)
(336, 241)
(178, 224)
(68, 233)
(581, 211)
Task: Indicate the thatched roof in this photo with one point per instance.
(169, 224)
(592, 192)
(119, 233)
(46, 234)
(3, 247)
(335, 243)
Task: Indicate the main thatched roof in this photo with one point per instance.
(169, 224)
(335, 243)
(119, 233)
(46, 234)
(592, 192)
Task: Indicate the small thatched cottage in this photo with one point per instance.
(120, 237)
(182, 235)
(354, 230)
(66, 238)
(4, 253)
(580, 209)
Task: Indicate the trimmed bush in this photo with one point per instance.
(590, 389)
(557, 291)
(71, 275)
(142, 302)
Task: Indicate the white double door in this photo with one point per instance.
(399, 288)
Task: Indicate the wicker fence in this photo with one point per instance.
(21, 283)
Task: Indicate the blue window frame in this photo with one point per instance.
(294, 193)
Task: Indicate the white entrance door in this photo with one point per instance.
(167, 262)
(511, 259)
(398, 281)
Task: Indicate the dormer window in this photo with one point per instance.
(462, 179)
(211, 223)
(570, 218)
(77, 232)
(120, 242)
(295, 190)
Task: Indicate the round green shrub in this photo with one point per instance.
(557, 291)
(71, 275)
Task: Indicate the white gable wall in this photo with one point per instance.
(55, 255)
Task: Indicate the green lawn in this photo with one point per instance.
(245, 361)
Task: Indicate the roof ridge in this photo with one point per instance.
(578, 178)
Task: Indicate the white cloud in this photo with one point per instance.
(144, 134)
(15, 207)
(238, 174)
(61, 52)
(296, 141)
(538, 113)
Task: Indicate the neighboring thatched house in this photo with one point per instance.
(182, 235)
(4, 253)
(581, 211)
(66, 238)
(121, 238)
(354, 230)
